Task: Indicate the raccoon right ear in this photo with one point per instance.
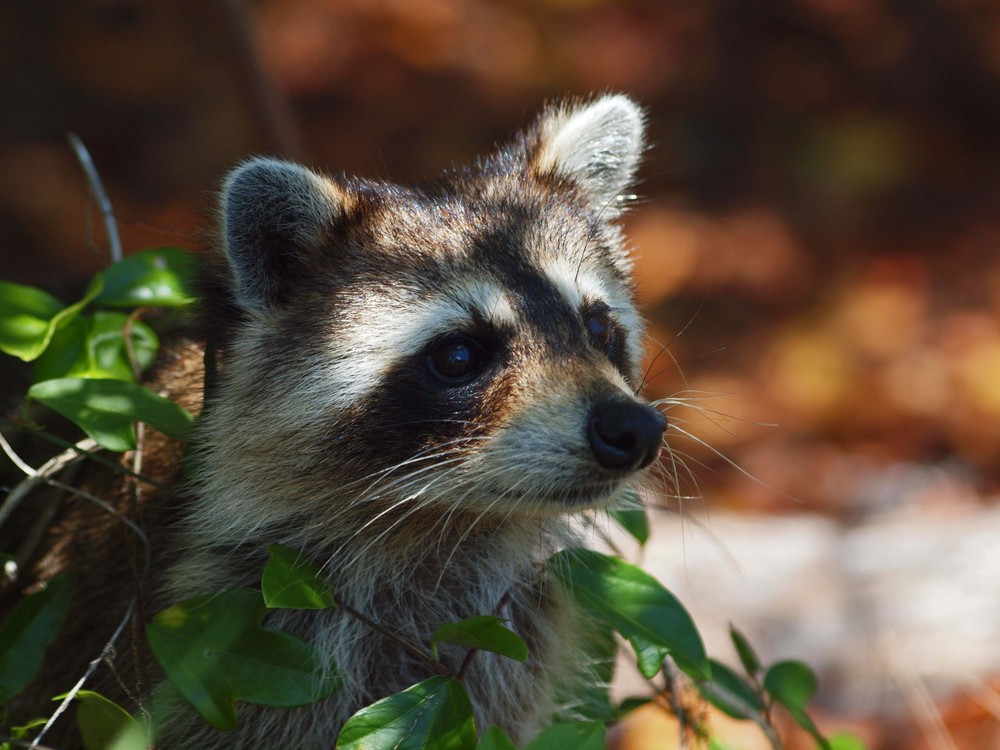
(273, 213)
(596, 144)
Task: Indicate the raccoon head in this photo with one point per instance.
(468, 344)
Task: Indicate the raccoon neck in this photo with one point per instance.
(399, 560)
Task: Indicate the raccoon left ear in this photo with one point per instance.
(597, 145)
(274, 215)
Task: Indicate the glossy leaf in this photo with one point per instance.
(581, 735)
(159, 277)
(495, 738)
(632, 518)
(790, 683)
(106, 409)
(215, 652)
(31, 627)
(485, 633)
(731, 694)
(292, 581)
(104, 725)
(635, 604)
(94, 347)
(793, 684)
(432, 715)
(748, 657)
(30, 317)
(648, 656)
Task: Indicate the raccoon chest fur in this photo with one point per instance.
(422, 389)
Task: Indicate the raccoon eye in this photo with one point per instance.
(600, 328)
(605, 335)
(456, 360)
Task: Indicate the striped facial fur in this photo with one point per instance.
(417, 385)
(429, 340)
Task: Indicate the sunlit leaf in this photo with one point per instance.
(106, 409)
(94, 347)
(485, 633)
(581, 735)
(432, 715)
(28, 631)
(292, 581)
(215, 652)
(634, 603)
(159, 277)
(104, 725)
(30, 317)
(846, 741)
(648, 656)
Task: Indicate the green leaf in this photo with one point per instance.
(484, 633)
(94, 347)
(790, 683)
(632, 518)
(104, 725)
(106, 409)
(159, 277)
(291, 581)
(495, 739)
(31, 627)
(580, 735)
(731, 694)
(748, 657)
(793, 684)
(30, 317)
(215, 652)
(432, 715)
(846, 741)
(633, 603)
(22, 731)
(648, 656)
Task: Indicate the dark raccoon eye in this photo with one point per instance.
(456, 360)
(604, 333)
(600, 328)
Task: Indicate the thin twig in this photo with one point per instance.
(106, 653)
(109, 647)
(467, 662)
(97, 190)
(384, 631)
(37, 476)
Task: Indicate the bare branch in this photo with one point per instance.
(97, 190)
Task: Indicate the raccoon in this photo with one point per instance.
(420, 388)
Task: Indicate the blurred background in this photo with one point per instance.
(817, 248)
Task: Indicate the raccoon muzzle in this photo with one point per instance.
(625, 435)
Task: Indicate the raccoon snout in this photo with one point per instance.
(625, 435)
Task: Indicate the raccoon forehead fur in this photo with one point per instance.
(419, 386)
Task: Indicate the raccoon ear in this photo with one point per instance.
(597, 145)
(273, 213)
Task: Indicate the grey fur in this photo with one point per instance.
(344, 285)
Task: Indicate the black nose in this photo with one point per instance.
(625, 435)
